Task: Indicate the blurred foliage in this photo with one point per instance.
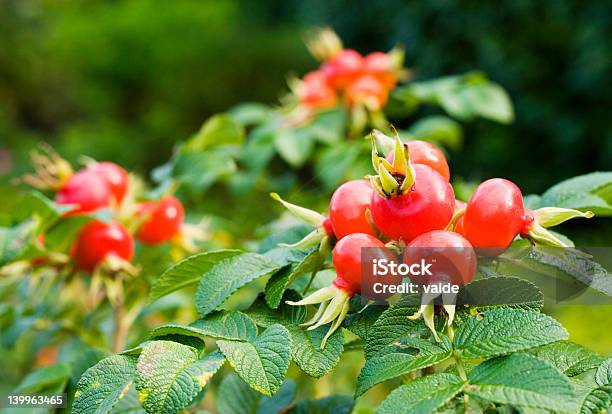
(107, 78)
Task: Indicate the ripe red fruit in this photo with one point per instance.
(367, 90)
(352, 263)
(459, 227)
(88, 190)
(427, 206)
(423, 152)
(451, 256)
(162, 220)
(316, 92)
(379, 64)
(98, 240)
(495, 214)
(343, 68)
(116, 177)
(348, 207)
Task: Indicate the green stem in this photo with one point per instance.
(312, 276)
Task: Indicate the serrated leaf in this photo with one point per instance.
(104, 384)
(44, 377)
(361, 323)
(228, 275)
(603, 376)
(170, 375)
(236, 397)
(333, 404)
(568, 357)
(423, 395)
(389, 327)
(501, 291)
(504, 330)
(197, 171)
(392, 365)
(582, 193)
(219, 129)
(232, 325)
(597, 401)
(285, 314)
(188, 271)
(556, 262)
(129, 404)
(521, 380)
(278, 283)
(306, 352)
(262, 363)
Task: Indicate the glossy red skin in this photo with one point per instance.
(346, 258)
(459, 227)
(423, 152)
(427, 206)
(88, 190)
(379, 65)
(97, 240)
(495, 215)
(366, 89)
(316, 92)
(163, 221)
(328, 228)
(116, 177)
(342, 69)
(451, 255)
(348, 207)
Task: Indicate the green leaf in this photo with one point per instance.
(521, 380)
(361, 323)
(236, 397)
(603, 376)
(14, 241)
(439, 130)
(597, 401)
(44, 377)
(557, 262)
(228, 275)
(188, 272)
(504, 330)
(568, 357)
(498, 291)
(279, 282)
(129, 404)
(423, 395)
(104, 384)
(170, 375)
(491, 101)
(250, 113)
(585, 192)
(334, 162)
(262, 363)
(392, 365)
(64, 232)
(333, 404)
(328, 126)
(219, 129)
(285, 314)
(197, 171)
(259, 149)
(306, 352)
(389, 327)
(232, 325)
(294, 146)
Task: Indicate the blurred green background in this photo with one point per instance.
(124, 80)
(109, 78)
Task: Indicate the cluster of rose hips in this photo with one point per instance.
(348, 76)
(105, 185)
(408, 209)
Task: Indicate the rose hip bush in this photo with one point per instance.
(505, 356)
(99, 249)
